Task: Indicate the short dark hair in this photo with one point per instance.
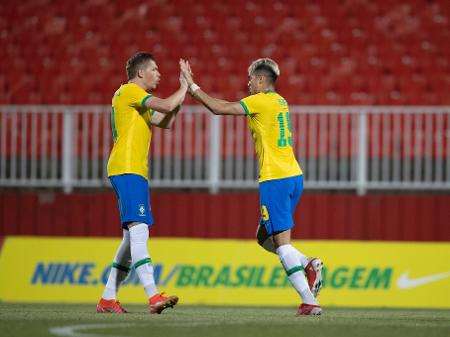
(266, 71)
(137, 62)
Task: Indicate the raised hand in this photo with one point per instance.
(186, 72)
(183, 82)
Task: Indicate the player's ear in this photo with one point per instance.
(140, 73)
(261, 79)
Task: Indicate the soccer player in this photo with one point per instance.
(134, 111)
(281, 178)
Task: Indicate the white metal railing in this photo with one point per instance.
(339, 147)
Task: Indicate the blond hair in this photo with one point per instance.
(264, 64)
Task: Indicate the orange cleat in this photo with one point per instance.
(159, 302)
(308, 309)
(112, 306)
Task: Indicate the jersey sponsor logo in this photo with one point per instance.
(405, 282)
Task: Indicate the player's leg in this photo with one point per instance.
(140, 256)
(139, 219)
(139, 235)
(276, 210)
(120, 267)
(119, 271)
(313, 266)
(134, 203)
(264, 239)
(289, 257)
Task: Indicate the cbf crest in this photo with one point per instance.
(141, 210)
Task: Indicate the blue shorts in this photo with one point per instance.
(133, 196)
(278, 199)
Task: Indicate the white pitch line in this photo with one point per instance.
(76, 330)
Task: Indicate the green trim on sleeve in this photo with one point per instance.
(145, 98)
(152, 112)
(245, 108)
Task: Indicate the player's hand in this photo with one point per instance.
(185, 71)
(183, 83)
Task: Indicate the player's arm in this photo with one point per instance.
(164, 121)
(171, 103)
(166, 105)
(218, 106)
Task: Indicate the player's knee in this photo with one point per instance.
(268, 245)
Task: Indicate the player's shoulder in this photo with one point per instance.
(281, 101)
(129, 91)
(122, 91)
(130, 88)
(270, 96)
(254, 97)
(276, 98)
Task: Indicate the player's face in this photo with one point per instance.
(252, 84)
(151, 75)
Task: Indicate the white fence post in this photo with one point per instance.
(67, 163)
(362, 153)
(214, 154)
(410, 153)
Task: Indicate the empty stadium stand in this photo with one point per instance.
(331, 52)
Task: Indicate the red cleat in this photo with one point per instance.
(308, 309)
(112, 306)
(313, 272)
(159, 302)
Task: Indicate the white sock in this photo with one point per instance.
(120, 268)
(141, 259)
(289, 257)
(303, 259)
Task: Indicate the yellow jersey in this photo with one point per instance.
(132, 133)
(268, 120)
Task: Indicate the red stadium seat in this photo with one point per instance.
(308, 39)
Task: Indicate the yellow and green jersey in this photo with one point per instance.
(268, 120)
(131, 128)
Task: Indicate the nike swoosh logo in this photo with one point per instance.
(404, 282)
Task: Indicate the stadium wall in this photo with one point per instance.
(324, 216)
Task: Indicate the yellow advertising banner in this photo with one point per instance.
(229, 272)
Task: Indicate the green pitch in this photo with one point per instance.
(36, 320)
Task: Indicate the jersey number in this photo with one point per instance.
(283, 141)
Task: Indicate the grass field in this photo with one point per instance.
(35, 320)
